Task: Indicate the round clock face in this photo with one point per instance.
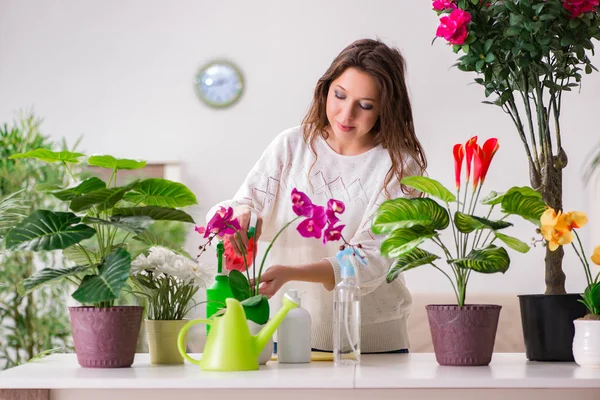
(219, 84)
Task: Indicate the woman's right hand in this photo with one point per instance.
(243, 214)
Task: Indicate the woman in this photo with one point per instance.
(355, 144)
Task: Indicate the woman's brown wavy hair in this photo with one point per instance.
(394, 129)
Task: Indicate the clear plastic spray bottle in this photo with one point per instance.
(346, 319)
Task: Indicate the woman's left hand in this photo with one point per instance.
(272, 279)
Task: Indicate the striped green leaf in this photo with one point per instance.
(155, 213)
(47, 230)
(406, 213)
(79, 256)
(162, 193)
(496, 198)
(413, 259)
(430, 187)
(527, 207)
(513, 242)
(51, 156)
(111, 278)
(113, 163)
(489, 260)
(403, 240)
(49, 275)
(466, 223)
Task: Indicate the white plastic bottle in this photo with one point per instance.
(294, 334)
(346, 319)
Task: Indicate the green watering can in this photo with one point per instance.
(229, 344)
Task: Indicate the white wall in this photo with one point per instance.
(120, 73)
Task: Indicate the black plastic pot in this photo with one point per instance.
(548, 327)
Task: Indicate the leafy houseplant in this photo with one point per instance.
(88, 234)
(527, 53)
(410, 222)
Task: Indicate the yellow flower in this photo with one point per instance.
(596, 255)
(575, 219)
(550, 217)
(557, 235)
(556, 227)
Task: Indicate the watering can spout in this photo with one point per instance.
(266, 333)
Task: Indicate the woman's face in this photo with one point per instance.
(353, 105)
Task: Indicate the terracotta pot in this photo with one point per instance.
(162, 341)
(586, 343)
(105, 337)
(463, 335)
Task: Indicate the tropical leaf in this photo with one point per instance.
(403, 240)
(113, 163)
(527, 207)
(105, 198)
(51, 156)
(162, 193)
(256, 309)
(496, 198)
(406, 213)
(49, 275)
(111, 278)
(87, 186)
(466, 223)
(513, 243)
(130, 224)
(429, 186)
(155, 213)
(489, 260)
(47, 230)
(150, 239)
(239, 285)
(415, 258)
(12, 210)
(79, 256)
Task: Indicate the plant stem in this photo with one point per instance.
(582, 257)
(449, 278)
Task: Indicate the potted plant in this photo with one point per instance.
(168, 282)
(560, 229)
(527, 53)
(462, 333)
(104, 333)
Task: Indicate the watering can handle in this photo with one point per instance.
(182, 337)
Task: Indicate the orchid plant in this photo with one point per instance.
(526, 54)
(408, 222)
(559, 229)
(317, 222)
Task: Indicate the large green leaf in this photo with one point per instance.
(155, 213)
(527, 207)
(48, 275)
(47, 230)
(130, 224)
(105, 198)
(111, 278)
(257, 309)
(489, 260)
(513, 243)
(415, 258)
(87, 186)
(406, 213)
(466, 223)
(496, 198)
(239, 285)
(115, 163)
(429, 186)
(162, 193)
(51, 156)
(403, 240)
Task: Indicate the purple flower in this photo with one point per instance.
(332, 233)
(334, 207)
(222, 223)
(301, 204)
(313, 226)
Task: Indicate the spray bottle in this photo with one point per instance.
(294, 334)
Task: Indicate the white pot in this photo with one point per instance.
(586, 343)
(267, 352)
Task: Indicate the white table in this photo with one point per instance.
(380, 377)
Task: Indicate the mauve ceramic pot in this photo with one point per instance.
(105, 337)
(463, 335)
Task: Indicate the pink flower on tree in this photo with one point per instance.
(441, 5)
(578, 7)
(453, 27)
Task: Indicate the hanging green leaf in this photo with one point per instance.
(111, 278)
(406, 213)
(257, 309)
(155, 213)
(47, 230)
(51, 156)
(87, 186)
(466, 223)
(496, 198)
(135, 224)
(105, 198)
(430, 187)
(513, 243)
(110, 162)
(489, 260)
(403, 240)
(49, 275)
(239, 285)
(527, 207)
(162, 193)
(415, 258)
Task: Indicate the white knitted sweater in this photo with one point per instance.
(358, 182)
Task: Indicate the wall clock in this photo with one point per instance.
(219, 84)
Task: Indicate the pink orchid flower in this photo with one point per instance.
(301, 204)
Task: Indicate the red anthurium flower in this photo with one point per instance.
(235, 261)
(490, 147)
(334, 207)
(313, 226)
(332, 233)
(301, 204)
(469, 151)
(459, 155)
(477, 165)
